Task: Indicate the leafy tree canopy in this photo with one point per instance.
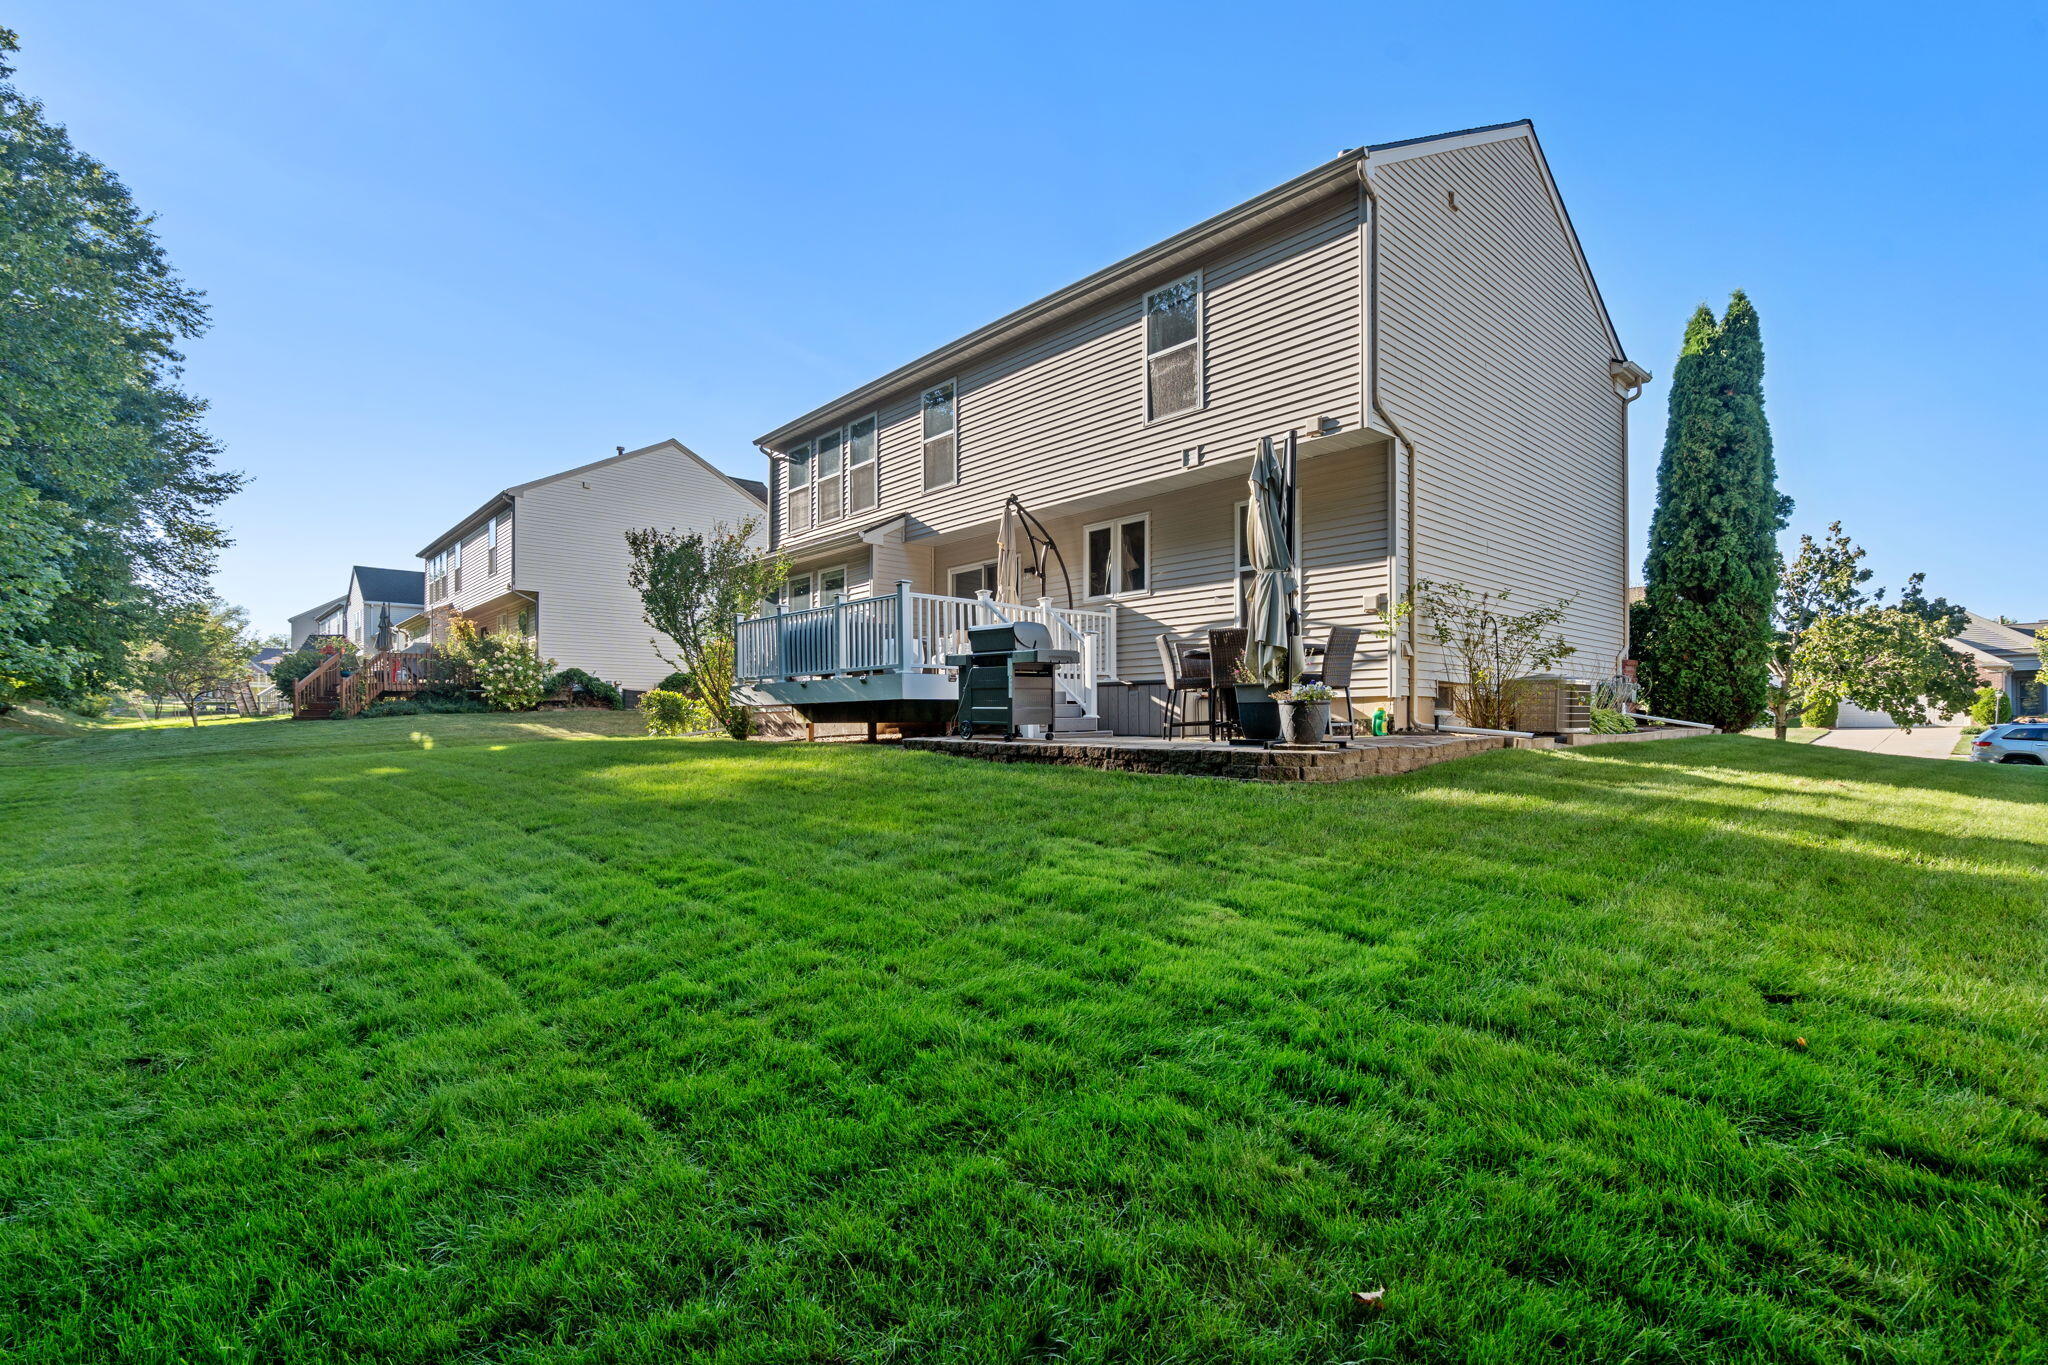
(197, 648)
(693, 587)
(107, 479)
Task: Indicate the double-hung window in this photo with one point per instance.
(455, 566)
(491, 546)
(799, 466)
(863, 488)
(1119, 562)
(827, 455)
(941, 437)
(1173, 349)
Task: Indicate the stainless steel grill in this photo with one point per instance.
(1007, 682)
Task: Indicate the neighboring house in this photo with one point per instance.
(1418, 314)
(547, 559)
(326, 619)
(378, 596)
(2007, 658)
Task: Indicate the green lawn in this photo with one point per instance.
(438, 1038)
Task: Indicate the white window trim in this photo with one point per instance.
(874, 419)
(924, 441)
(1116, 545)
(818, 476)
(986, 566)
(1200, 343)
(789, 488)
(814, 582)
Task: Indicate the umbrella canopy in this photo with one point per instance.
(1272, 637)
(384, 630)
(1011, 547)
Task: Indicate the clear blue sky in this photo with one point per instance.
(450, 247)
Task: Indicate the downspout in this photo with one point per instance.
(1372, 398)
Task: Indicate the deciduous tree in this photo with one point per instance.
(197, 648)
(694, 587)
(107, 481)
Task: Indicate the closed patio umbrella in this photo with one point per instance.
(384, 630)
(1272, 635)
(1011, 548)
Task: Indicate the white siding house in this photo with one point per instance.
(548, 558)
(1418, 315)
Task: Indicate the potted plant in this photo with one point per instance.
(1258, 714)
(1304, 713)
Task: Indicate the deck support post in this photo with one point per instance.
(903, 627)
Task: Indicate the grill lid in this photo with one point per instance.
(1008, 637)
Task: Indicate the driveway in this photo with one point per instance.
(1925, 741)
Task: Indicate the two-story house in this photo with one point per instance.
(376, 601)
(547, 558)
(1419, 314)
(327, 618)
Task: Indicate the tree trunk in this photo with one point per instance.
(192, 712)
(1778, 720)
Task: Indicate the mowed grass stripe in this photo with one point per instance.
(632, 1050)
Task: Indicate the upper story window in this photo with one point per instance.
(941, 437)
(828, 491)
(491, 545)
(799, 467)
(863, 485)
(1173, 349)
(1119, 556)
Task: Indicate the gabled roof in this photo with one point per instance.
(1996, 637)
(753, 488)
(1176, 252)
(407, 586)
(331, 604)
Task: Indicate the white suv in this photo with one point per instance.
(2011, 743)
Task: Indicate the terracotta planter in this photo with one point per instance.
(1258, 715)
(1304, 722)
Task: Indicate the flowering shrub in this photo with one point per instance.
(510, 672)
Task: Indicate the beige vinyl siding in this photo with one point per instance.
(1193, 560)
(573, 557)
(479, 584)
(1061, 415)
(1494, 360)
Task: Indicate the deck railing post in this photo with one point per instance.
(903, 626)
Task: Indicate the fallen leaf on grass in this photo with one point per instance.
(1369, 1298)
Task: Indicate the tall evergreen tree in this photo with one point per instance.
(1703, 631)
(107, 481)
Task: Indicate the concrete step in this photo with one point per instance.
(1082, 734)
(1064, 723)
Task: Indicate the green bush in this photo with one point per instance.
(675, 713)
(1608, 720)
(1821, 713)
(596, 689)
(678, 681)
(1990, 707)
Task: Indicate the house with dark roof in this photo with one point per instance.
(376, 601)
(547, 559)
(1414, 321)
(2008, 657)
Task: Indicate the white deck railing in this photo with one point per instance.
(865, 635)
